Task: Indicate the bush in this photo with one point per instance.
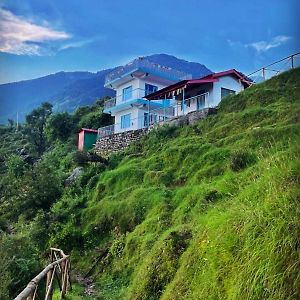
(241, 159)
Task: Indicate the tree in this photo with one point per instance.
(35, 125)
(59, 127)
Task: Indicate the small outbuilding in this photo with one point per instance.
(87, 138)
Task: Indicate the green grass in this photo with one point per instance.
(209, 211)
(77, 293)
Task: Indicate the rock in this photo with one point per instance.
(73, 177)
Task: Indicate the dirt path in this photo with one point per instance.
(89, 285)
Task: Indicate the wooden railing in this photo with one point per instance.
(59, 269)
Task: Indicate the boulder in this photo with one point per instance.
(74, 176)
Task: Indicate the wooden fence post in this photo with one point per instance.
(59, 265)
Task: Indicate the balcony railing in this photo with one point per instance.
(147, 66)
(106, 131)
(110, 103)
(135, 94)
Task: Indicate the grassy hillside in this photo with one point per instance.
(209, 211)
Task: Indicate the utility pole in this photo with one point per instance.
(292, 61)
(17, 121)
(264, 73)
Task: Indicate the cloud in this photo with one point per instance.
(264, 46)
(78, 44)
(22, 37)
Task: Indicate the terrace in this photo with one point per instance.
(146, 66)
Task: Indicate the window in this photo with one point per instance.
(200, 101)
(226, 92)
(146, 119)
(153, 119)
(149, 89)
(127, 93)
(125, 121)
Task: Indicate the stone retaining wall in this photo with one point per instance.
(120, 141)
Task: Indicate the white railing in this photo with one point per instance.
(106, 131)
(110, 103)
(159, 115)
(147, 66)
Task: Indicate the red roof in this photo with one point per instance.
(207, 79)
(88, 130)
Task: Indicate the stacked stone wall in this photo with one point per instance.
(120, 141)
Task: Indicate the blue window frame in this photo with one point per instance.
(127, 93)
(201, 102)
(149, 89)
(146, 119)
(125, 121)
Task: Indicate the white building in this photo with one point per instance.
(148, 93)
(132, 83)
(195, 94)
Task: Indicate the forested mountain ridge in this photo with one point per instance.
(209, 211)
(69, 90)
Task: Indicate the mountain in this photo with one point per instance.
(68, 90)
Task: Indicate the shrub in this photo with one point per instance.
(241, 159)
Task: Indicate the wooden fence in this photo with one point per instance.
(59, 269)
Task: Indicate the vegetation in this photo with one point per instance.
(209, 211)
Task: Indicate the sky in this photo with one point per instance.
(40, 37)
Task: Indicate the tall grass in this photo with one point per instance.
(204, 212)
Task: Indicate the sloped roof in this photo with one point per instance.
(206, 79)
(88, 130)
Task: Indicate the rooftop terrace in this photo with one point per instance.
(145, 65)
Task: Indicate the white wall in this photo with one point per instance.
(135, 86)
(138, 87)
(133, 119)
(227, 82)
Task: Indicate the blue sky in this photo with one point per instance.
(39, 37)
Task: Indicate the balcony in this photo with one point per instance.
(134, 98)
(146, 66)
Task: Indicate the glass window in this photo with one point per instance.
(226, 92)
(125, 121)
(149, 89)
(127, 93)
(153, 119)
(146, 119)
(200, 101)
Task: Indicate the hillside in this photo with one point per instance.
(204, 212)
(69, 90)
(209, 211)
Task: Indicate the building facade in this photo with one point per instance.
(132, 83)
(196, 94)
(148, 93)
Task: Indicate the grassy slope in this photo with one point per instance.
(205, 212)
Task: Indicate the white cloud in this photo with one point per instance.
(77, 44)
(264, 46)
(22, 37)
